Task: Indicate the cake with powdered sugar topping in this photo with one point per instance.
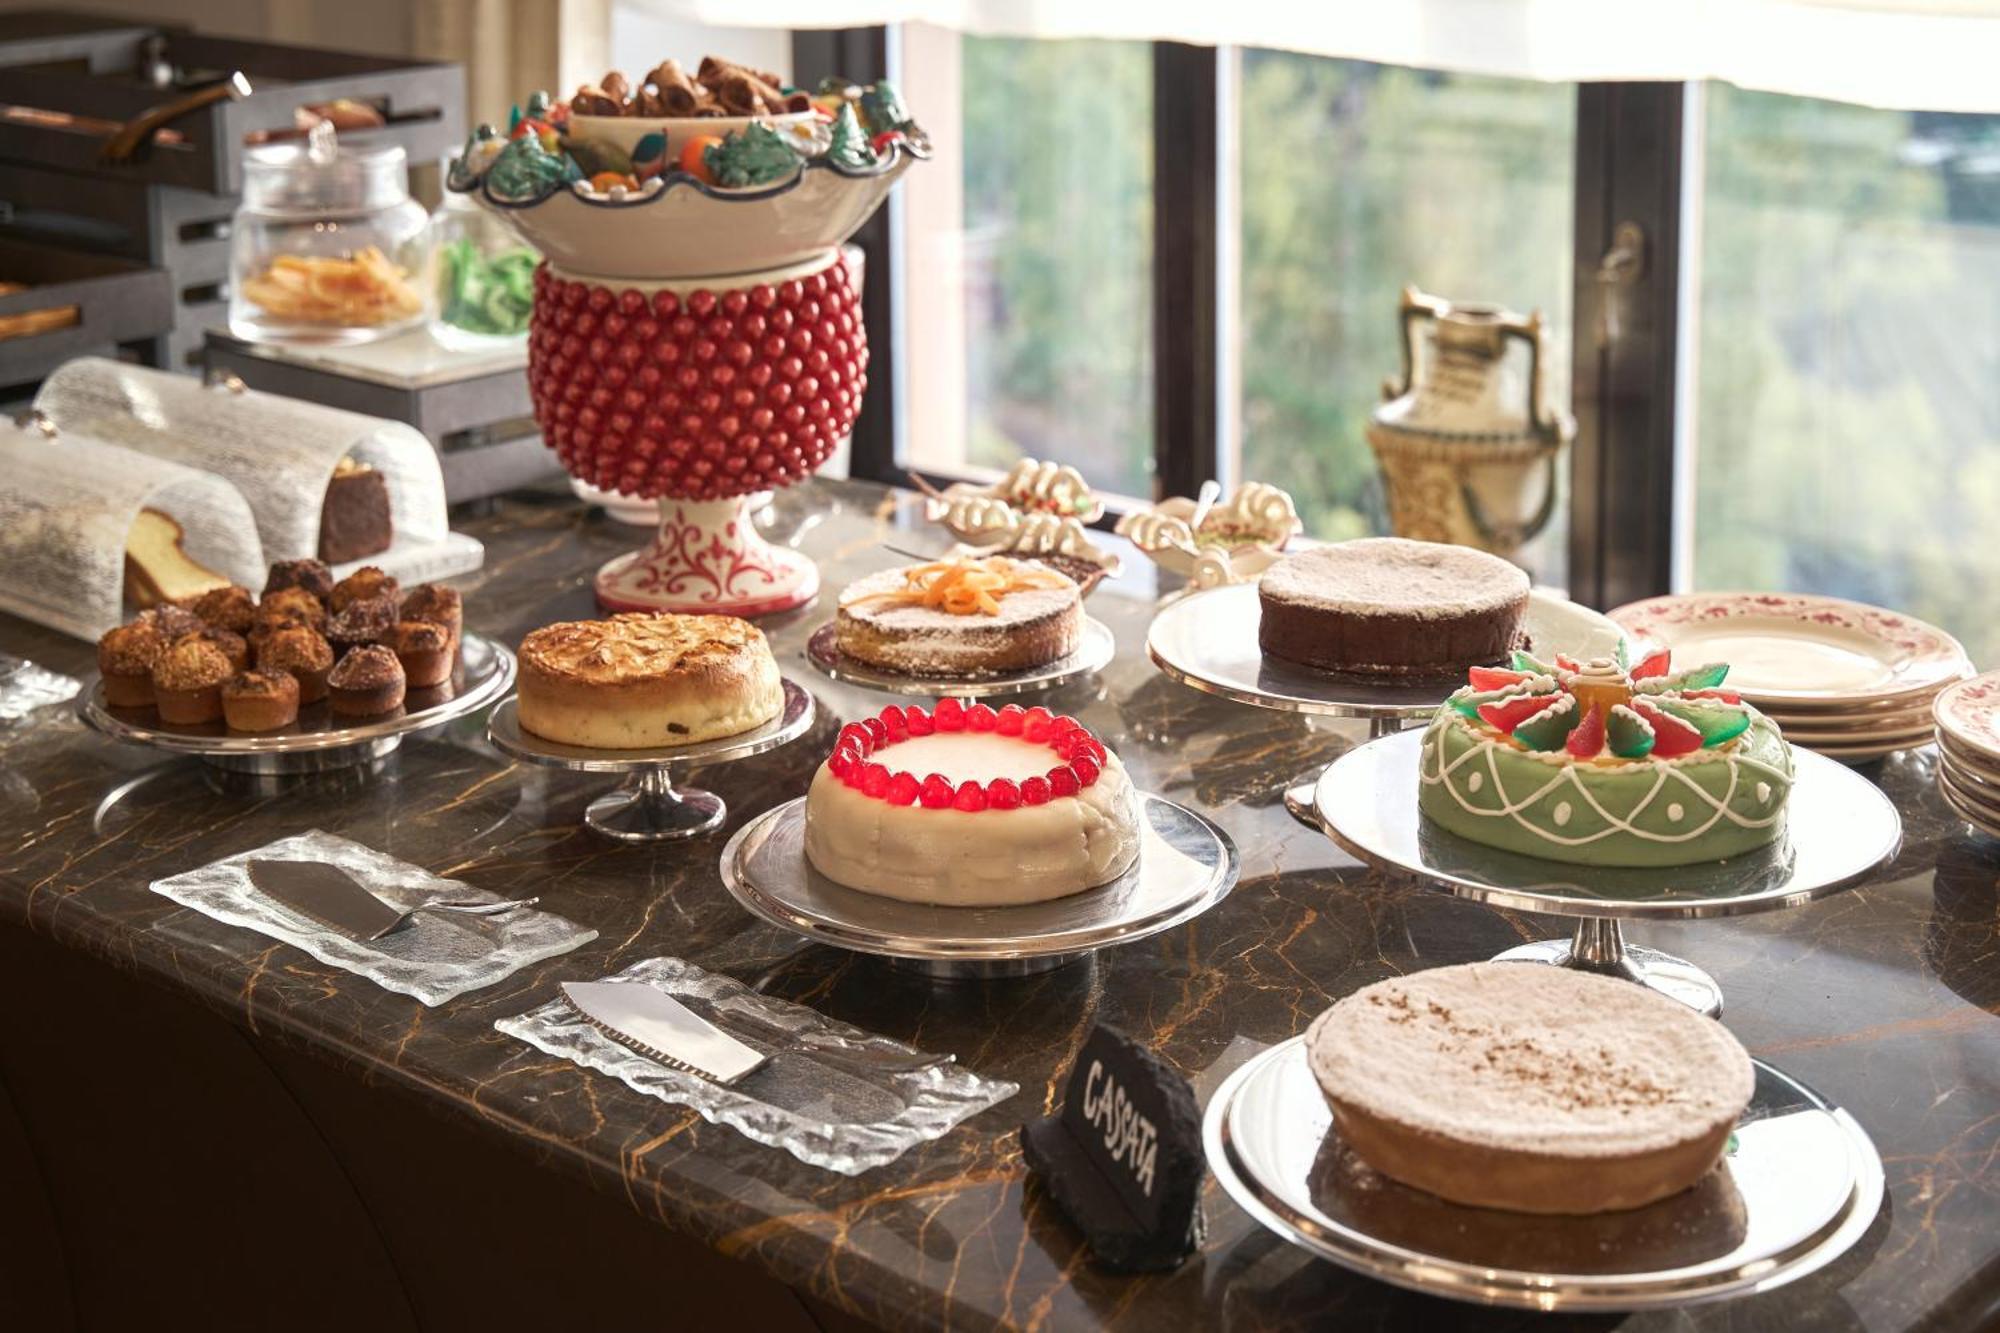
(1530, 1088)
(1387, 606)
(1034, 617)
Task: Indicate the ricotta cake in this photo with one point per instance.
(1531, 1088)
(960, 617)
(1596, 764)
(969, 806)
(1383, 606)
(640, 681)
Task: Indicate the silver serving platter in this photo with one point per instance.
(1094, 652)
(1800, 1184)
(1186, 865)
(648, 807)
(319, 740)
(1208, 640)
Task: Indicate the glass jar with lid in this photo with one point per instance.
(327, 246)
(485, 278)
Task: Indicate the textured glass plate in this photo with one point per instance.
(831, 1095)
(1800, 1184)
(436, 957)
(25, 687)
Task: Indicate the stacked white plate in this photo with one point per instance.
(1853, 682)
(1968, 739)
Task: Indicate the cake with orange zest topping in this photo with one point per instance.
(961, 617)
(638, 681)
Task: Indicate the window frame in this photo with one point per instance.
(1628, 500)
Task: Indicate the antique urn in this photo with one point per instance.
(1466, 437)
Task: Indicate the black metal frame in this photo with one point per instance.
(1629, 169)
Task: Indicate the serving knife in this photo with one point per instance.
(662, 1029)
(331, 897)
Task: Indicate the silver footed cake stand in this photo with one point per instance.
(648, 807)
(1799, 1184)
(321, 740)
(1838, 828)
(1094, 650)
(1185, 866)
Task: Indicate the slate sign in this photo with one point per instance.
(1123, 1156)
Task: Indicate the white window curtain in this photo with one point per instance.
(1933, 55)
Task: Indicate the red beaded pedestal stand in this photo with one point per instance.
(700, 393)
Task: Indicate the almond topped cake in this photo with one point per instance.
(642, 680)
(961, 617)
(1531, 1088)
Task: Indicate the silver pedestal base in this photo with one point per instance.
(1599, 946)
(648, 808)
(984, 969)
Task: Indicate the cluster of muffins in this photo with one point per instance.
(251, 662)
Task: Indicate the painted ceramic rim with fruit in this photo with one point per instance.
(892, 162)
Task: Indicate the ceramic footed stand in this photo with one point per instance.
(708, 557)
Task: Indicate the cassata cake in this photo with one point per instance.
(1384, 606)
(960, 617)
(642, 680)
(1530, 1088)
(1592, 763)
(969, 806)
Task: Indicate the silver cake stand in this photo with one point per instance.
(1094, 652)
(648, 807)
(1186, 865)
(1838, 828)
(320, 740)
(1799, 1185)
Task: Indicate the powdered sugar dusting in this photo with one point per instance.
(1392, 576)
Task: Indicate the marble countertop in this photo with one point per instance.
(1883, 998)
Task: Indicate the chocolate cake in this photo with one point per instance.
(1386, 606)
(354, 519)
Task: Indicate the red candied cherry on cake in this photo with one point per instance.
(865, 757)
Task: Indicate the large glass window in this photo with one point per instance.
(1028, 270)
(1848, 409)
(1354, 179)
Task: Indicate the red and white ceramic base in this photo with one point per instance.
(708, 557)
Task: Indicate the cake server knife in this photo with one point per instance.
(330, 896)
(662, 1029)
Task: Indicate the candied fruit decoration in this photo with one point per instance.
(936, 792)
(875, 780)
(1035, 791)
(1002, 794)
(1547, 730)
(1493, 678)
(892, 718)
(878, 733)
(1038, 723)
(1063, 724)
(918, 721)
(1705, 677)
(1725, 696)
(903, 789)
(856, 738)
(1009, 720)
(1521, 661)
(1672, 737)
(1716, 722)
(1469, 701)
(980, 717)
(1651, 665)
(1086, 769)
(950, 715)
(842, 763)
(1062, 781)
(1588, 737)
(969, 797)
(1629, 735)
(1507, 714)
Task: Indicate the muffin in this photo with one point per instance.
(260, 700)
(424, 649)
(362, 622)
(311, 575)
(233, 646)
(366, 683)
(170, 621)
(363, 584)
(230, 607)
(291, 606)
(301, 653)
(187, 681)
(126, 656)
(439, 605)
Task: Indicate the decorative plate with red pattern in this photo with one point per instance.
(1969, 714)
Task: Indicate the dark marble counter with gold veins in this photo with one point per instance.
(1883, 998)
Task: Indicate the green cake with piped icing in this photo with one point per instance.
(1605, 763)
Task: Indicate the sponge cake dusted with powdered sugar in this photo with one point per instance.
(1386, 606)
(1531, 1088)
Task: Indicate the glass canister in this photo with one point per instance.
(328, 246)
(485, 278)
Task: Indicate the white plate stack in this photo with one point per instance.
(1968, 740)
(1851, 681)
